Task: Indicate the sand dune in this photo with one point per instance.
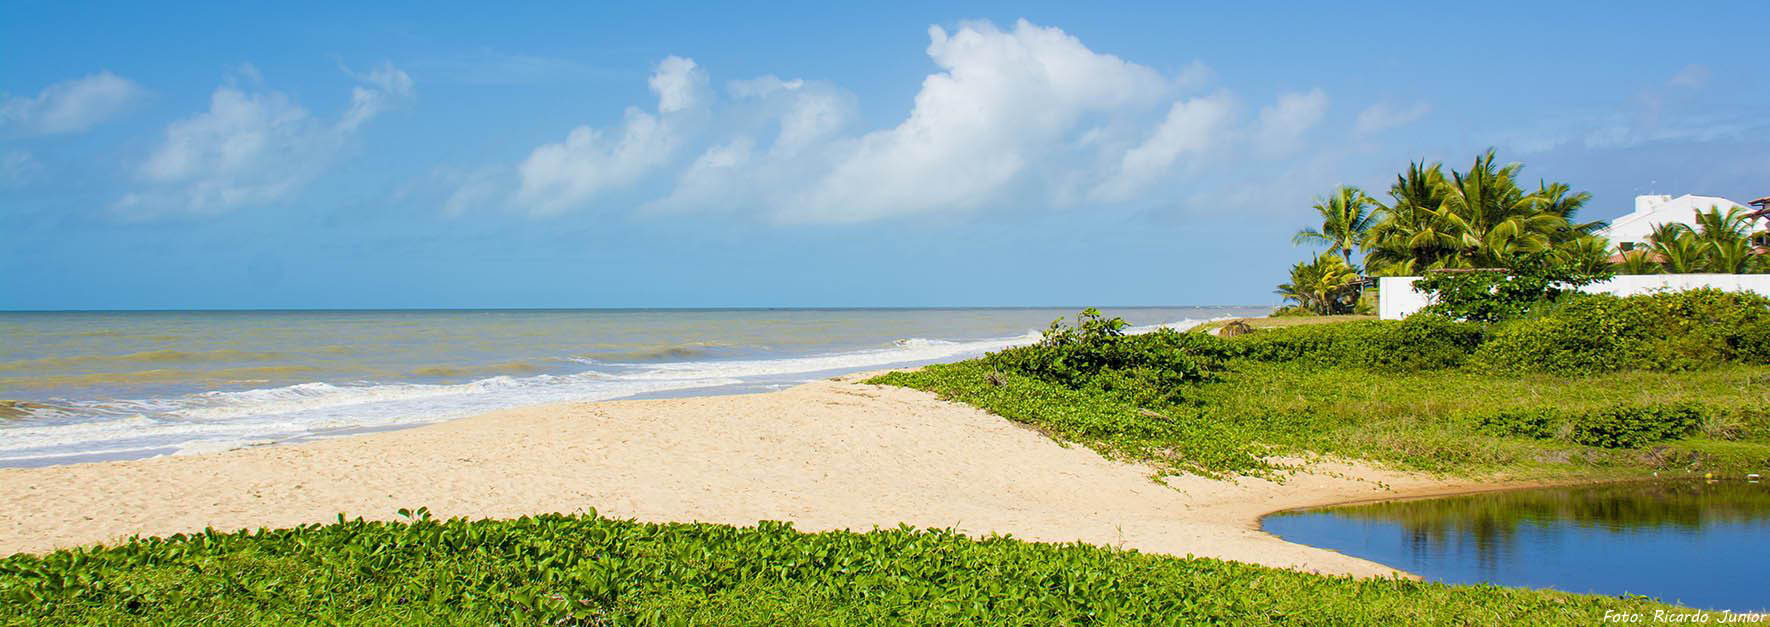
(825, 455)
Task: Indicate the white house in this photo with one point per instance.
(1631, 231)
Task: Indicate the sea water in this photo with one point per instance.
(86, 386)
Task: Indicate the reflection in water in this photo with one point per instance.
(1705, 544)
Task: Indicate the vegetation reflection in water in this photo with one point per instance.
(1697, 543)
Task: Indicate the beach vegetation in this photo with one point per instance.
(1577, 389)
(1483, 295)
(591, 570)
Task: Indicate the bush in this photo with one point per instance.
(1634, 427)
(1619, 426)
(1148, 369)
(1536, 424)
(1417, 343)
(1673, 331)
(1503, 295)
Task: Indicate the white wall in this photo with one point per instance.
(1397, 298)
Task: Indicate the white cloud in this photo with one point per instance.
(562, 176)
(1003, 101)
(1283, 123)
(1192, 127)
(71, 106)
(1383, 116)
(252, 148)
(383, 88)
(678, 84)
(1195, 75)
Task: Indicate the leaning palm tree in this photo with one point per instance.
(1345, 219)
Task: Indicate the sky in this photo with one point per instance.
(787, 154)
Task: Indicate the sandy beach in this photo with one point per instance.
(825, 455)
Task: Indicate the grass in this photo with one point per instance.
(1282, 321)
(558, 569)
(1424, 420)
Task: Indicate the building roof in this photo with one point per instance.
(1761, 202)
(1655, 210)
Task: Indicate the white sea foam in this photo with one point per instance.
(222, 420)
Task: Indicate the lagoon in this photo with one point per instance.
(1702, 544)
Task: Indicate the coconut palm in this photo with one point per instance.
(1678, 247)
(1494, 220)
(1408, 236)
(1639, 261)
(1584, 255)
(1325, 285)
(1345, 218)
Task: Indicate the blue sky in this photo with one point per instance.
(805, 154)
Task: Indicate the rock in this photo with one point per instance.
(1234, 328)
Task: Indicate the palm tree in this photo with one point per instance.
(1639, 261)
(1345, 218)
(1679, 248)
(1408, 236)
(1495, 221)
(1584, 255)
(1478, 218)
(1325, 285)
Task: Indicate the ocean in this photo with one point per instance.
(90, 386)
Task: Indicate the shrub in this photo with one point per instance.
(1633, 427)
(1417, 343)
(1536, 424)
(1148, 369)
(1663, 331)
(1492, 296)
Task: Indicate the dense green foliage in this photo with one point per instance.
(559, 569)
(1677, 331)
(1579, 388)
(1617, 426)
(1323, 286)
(1097, 354)
(1534, 281)
(1479, 218)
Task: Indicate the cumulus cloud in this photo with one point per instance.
(1283, 123)
(1025, 117)
(1384, 116)
(252, 147)
(561, 176)
(1191, 127)
(71, 106)
(1002, 100)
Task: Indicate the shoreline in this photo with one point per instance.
(830, 454)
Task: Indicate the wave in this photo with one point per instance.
(509, 367)
(141, 357)
(218, 420)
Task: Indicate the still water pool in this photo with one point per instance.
(1693, 543)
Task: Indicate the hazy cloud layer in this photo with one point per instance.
(70, 106)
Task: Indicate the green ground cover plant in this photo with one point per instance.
(1598, 385)
(588, 570)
